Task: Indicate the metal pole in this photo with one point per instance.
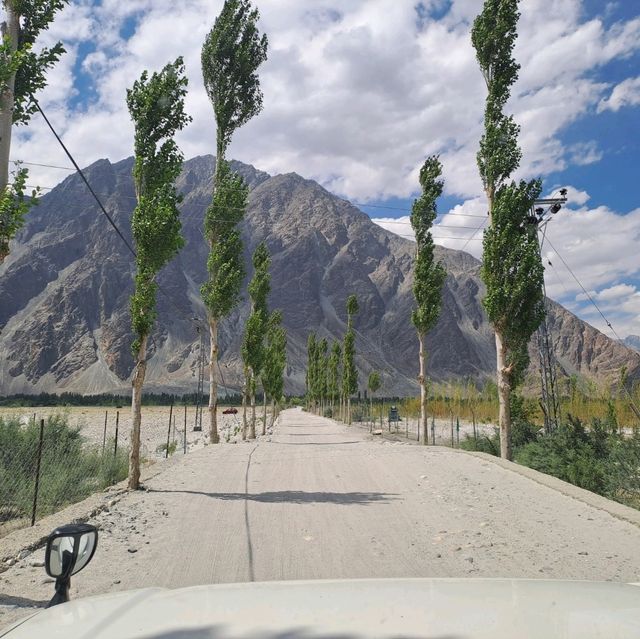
(35, 491)
(115, 446)
(185, 428)
(451, 430)
(104, 434)
(169, 431)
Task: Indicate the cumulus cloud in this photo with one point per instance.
(357, 92)
(627, 93)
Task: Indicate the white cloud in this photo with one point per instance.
(627, 93)
(585, 153)
(357, 92)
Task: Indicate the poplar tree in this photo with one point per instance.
(275, 361)
(511, 266)
(156, 106)
(256, 327)
(231, 54)
(311, 362)
(23, 73)
(373, 384)
(428, 276)
(333, 375)
(349, 370)
(322, 364)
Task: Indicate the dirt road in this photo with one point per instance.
(321, 500)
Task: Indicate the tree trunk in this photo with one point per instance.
(273, 412)
(252, 425)
(504, 396)
(214, 438)
(349, 411)
(136, 415)
(10, 29)
(245, 393)
(264, 413)
(423, 426)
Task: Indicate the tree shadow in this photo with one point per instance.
(22, 602)
(217, 632)
(295, 497)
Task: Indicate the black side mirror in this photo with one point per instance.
(69, 549)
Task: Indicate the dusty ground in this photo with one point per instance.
(321, 500)
(155, 424)
(407, 427)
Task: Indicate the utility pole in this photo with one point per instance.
(541, 214)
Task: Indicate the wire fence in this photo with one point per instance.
(48, 462)
(442, 432)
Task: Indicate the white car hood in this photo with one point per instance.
(434, 608)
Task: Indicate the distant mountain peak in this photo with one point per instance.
(65, 292)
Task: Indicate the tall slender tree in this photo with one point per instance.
(23, 72)
(333, 375)
(231, 54)
(311, 369)
(349, 370)
(156, 105)
(373, 384)
(511, 266)
(275, 361)
(256, 327)
(322, 365)
(428, 275)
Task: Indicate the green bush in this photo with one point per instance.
(69, 470)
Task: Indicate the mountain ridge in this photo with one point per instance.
(65, 289)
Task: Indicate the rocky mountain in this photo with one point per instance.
(633, 341)
(64, 293)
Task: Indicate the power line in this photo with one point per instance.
(632, 404)
(210, 206)
(102, 208)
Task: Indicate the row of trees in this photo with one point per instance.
(264, 347)
(332, 375)
(231, 54)
(511, 268)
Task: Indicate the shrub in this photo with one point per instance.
(69, 470)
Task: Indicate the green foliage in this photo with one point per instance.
(513, 272)
(14, 205)
(221, 292)
(30, 67)
(231, 54)
(493, 36)
(275, 359)
(333, 372)
(428, 276)
(352, 308)
(256, 327)
(512, 269)
(322, 365)
(156, 105)
(374, 382)
(69, 470)
(349, 370)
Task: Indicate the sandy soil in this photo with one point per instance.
(320, 500)
(155, 424)
(407, 427)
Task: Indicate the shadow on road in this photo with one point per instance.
(9, 600)
(294, 497)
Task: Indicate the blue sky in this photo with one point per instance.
(359, 92)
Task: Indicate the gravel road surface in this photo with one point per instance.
(317, 500)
